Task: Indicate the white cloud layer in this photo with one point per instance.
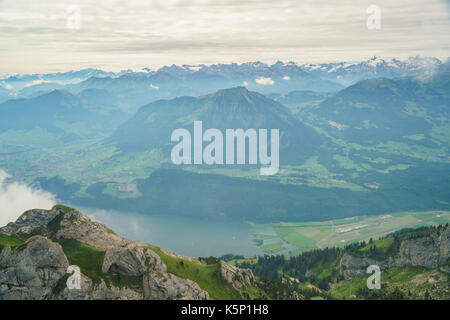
(116, 34)
(16, 198)
(264, 81)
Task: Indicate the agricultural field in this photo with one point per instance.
(294, 237)
(84, 163)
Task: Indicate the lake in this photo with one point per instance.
(187, 236)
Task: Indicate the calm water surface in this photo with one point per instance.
(187, 236)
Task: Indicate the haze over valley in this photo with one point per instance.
(357, 139)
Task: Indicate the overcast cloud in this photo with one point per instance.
(118, 34)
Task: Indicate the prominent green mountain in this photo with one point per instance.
(234, 108)
(379, 110)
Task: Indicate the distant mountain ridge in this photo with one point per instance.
(381, 109)
(340, 72)
(62, 115)
(349, 73)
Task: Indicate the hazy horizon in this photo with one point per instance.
(269, 63)
(117, 34)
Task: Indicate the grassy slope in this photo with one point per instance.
(207, 276)
(414, 280)
(6, 241)
(381, 246)
(88, 258)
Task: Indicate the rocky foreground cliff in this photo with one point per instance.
(37, 250)
(42, 252)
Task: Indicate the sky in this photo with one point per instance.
(45, 36)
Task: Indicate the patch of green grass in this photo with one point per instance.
(380, 246)
(208, 277)
(273, 247)
(254, 293)
(408, 279)
(65, 209)
(416, 137)
(347, 163)
(395, 167)
(325, 274)
(7, 241)
(346, 289)
(326, 268)
(440, 220)
(248, 260)
(313, 166)
(381, 160)
(88, 258)
(292, 236)
(403, 274)
(90, 261)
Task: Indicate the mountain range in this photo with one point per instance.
(341, 153)
(172, 81)
(348, 73)
(58, 116)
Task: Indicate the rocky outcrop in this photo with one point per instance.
(422, 252)
(38, 268)
(166, 286)
(444, 247)
(33, 270)
(237, 277)
(96, 291)
(75, 225)
(427, 252)
(132, 261)
(30, 221)
(352, 266)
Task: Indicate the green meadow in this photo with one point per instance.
(303, 236)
